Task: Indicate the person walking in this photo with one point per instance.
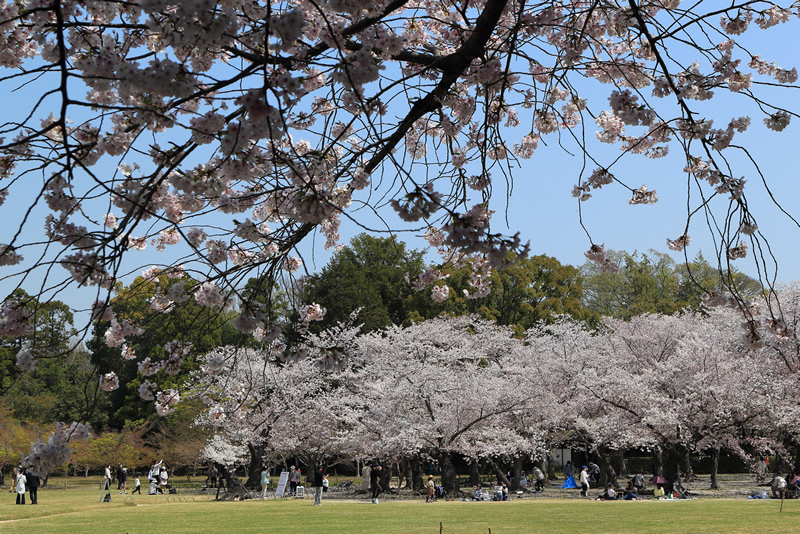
(21, 486)
(122, 480)
(32, 482)
(318, 479)
(375, 482)
(584, 478)
(430, 490)
(137, 486)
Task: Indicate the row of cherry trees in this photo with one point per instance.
(672, 385)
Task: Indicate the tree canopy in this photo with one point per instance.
(371, 274)
(653, 282)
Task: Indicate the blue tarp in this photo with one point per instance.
(570, 483)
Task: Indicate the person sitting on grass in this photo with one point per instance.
(477, 493)
(658, 493)
(630, 492)
(608, 495)
(498, 493)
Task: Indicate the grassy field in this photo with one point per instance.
(78, 510)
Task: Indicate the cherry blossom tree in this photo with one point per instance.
(264, 409)
(673, 385)
(445, 387)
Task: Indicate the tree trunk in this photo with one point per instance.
(658, 463)
(254, 467)
(449, 476)
(672, 456)
(551, 466)
(2, 476)
(417, 483)
(404, 472)
(714, 468)
(236, 489)
(607, 472)
(386, 476)
(780, 464)
(474, 473)
(516, 473)
(501, 476)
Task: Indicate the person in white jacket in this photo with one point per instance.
(584, 482)
(21, 486)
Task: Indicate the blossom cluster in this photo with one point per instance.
(597, 254)
(46, 456)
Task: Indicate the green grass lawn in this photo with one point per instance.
(78, 510)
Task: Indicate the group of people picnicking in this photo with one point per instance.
(785, 486)
(634, 487)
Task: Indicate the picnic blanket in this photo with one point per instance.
(570, 483)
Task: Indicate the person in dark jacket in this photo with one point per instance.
(375, 482)
(122, 479)
(32, 482)
(318, 479)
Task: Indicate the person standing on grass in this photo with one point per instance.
(584, 482)
(430, 489)
(14, 475)
(107, 478)
(375, 482)
(294, 479)
(21, 486)
(318, 479)
(122, 477)
(32, 482)
(163, 479)
(138, 486)
(213, 475)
